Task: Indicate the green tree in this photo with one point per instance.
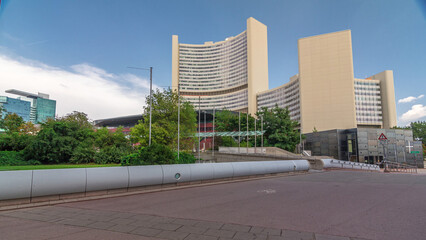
(164, 122)
(419, 130)
(227, 121)
(12, 122)
(280, 129)
(59, 139)
(111, 146)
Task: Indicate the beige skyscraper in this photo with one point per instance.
(223, 75)
(325, 95)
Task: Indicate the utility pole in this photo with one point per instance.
(239, 131)
(255, 136)
(199, 127)
(300, 139)
(178, 147)
(247, 132)
(150, 103)
(205, 137)
(213, 132)
(261, 118)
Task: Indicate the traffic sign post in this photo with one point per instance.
(382, 137)
(383, 140)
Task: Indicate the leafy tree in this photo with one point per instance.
(106, 138)
(2, 114)
(280, 129)
(227, 121)
(164, 121)
(79, 118)
(58, 139)
(15, 141)
(12, 122)
(112, 145)
(28, 128)
(419, 130)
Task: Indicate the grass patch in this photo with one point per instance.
(55, 166)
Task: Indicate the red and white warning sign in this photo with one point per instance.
(382, 137)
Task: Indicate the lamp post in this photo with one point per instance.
(178, 146)
(247, 133)
(150, 97)
(255, 136)
(213, 132)
(261, 119)
(239, 131)
(199, 127)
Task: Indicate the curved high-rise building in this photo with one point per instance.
(223, 75)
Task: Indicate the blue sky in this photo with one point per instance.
(93, 42)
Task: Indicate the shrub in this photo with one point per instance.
(83, 154)
(184, 158)
(15, 141)
(12, 158)
(156, 154)
(131, 159)
(109, 155)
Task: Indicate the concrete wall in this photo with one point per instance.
(55, 182)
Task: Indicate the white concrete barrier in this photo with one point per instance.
(37, 183)
(333, 163)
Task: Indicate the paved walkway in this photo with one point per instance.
(321, 206)
(60, 222)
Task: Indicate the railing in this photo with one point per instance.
(399, 167)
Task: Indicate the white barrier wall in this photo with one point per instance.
(36, 183)
(333, 163)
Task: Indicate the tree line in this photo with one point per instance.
(73, 138)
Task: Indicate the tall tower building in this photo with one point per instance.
(325, 95)
(223, 75)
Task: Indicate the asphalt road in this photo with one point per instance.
(326, 205)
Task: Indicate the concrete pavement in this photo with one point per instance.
(327, 205)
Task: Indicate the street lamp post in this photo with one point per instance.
(178, 146)
(199, 127)
(239, 131)
(213, 132)
(150, 103)
(261, 119)
(247, 139)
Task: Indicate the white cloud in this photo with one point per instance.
(85, 88)
(410, 99)
(416, 112)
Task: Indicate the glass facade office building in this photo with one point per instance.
(45, 109)
(36, 108)
(20, 107)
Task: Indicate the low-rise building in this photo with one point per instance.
(363, 145)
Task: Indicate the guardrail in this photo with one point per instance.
(399, 167)
(38, 183)
(333, 163)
